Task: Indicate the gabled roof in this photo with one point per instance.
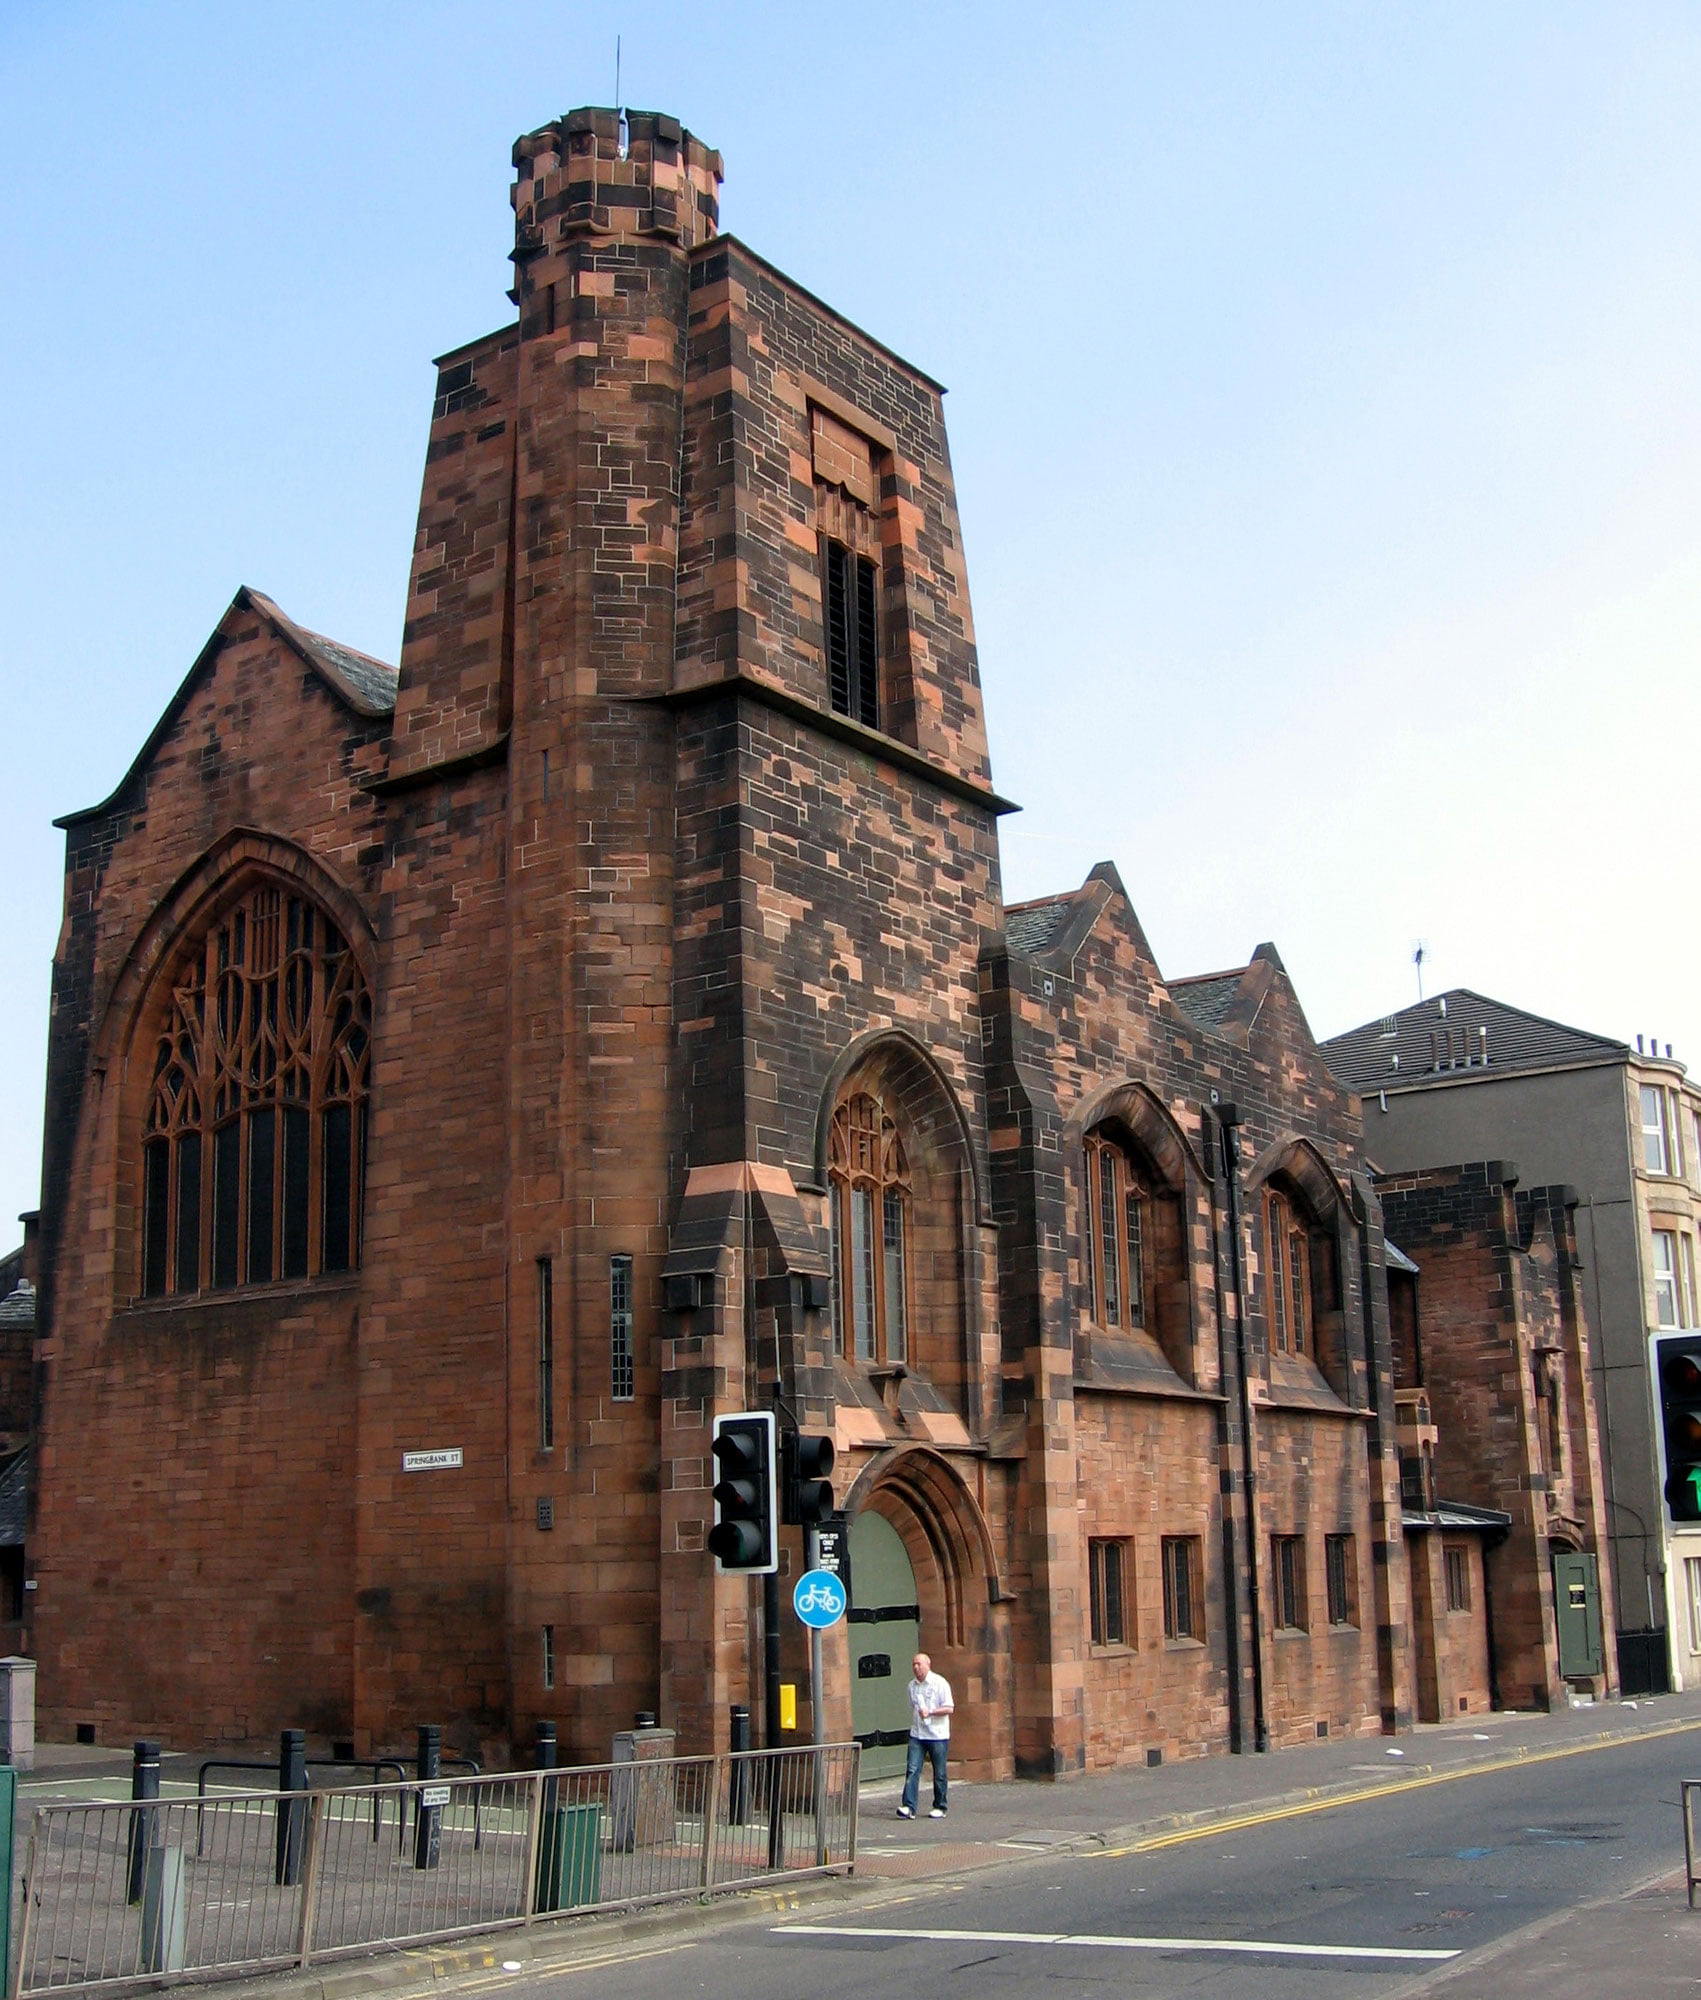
(1208, 998)
(1036, 927)
(366, 684)
(360, 682)
(17, 1308)
(1441, 1040)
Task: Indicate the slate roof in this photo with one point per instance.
(14, 1500)
(1396, 1259)
(368, 683)
(1458, 1514)
(1036, 927)
(1439, 1040)
(17, 1308)
(1208, 998)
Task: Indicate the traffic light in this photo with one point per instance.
(807, 1486)
(744, 1537)
(1677, 1370)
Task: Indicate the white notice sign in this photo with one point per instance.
(431, 1461)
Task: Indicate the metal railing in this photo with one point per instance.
(1687, 1790)
(236, 1883)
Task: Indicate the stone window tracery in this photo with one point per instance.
(1117, 1236)
(870, 1204)
(255, 1133)
(1288, 1276)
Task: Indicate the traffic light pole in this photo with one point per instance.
(812, 1560)
(770, 1661)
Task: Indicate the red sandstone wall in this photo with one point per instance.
(193, 1537)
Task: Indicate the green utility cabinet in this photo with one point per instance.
(569, 1862)
(1577, 1613)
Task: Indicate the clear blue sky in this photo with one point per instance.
(1325, 403)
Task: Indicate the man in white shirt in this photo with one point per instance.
(930, 1735)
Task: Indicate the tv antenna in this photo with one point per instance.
(1417, 965)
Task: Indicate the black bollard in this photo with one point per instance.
(428, 1824)
(738, 1790)
(292, 1811)
(544, 1758)
(144, 1785)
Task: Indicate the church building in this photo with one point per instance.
(470, 1079)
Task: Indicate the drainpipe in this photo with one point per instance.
(1237, 1714)
(1228, 1118)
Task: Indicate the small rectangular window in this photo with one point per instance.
(1107, 1566)
(1666, 1278)
(1656, 1130)
(549, 1656)
(1184, 1610)
(1287, 1562)
(1457, 1562)
(622, 1368)
(1341, 1576)
(545, 1353)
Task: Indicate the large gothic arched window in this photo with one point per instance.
(254, 1144)
(870, 1222)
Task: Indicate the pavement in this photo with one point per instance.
(1647, 1941)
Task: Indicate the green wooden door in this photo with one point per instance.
(885, 1630)
(1577, 1612)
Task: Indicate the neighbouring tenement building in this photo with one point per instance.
(1465, 1078)
(468, 1080)
(1500, 1449)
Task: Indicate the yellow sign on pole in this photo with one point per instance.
(788, 1704)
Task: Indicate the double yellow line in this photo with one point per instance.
(1327, 1801)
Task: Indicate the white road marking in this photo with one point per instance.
(1252, 1945)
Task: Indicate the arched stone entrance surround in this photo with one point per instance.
(965, 1625)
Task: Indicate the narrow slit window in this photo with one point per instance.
(545, 1353)
(850, 592)
(622, 1368)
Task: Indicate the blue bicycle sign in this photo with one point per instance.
(819, 1599)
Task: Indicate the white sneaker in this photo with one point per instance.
(938, 1812)
(906, 1812)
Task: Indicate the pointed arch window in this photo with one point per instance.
(1288, 1297)
(254, 1146)
(870, 1214)
(1118, 1238)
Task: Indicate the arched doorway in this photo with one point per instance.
(885, 1630)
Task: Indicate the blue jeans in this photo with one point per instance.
(921, 1752)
